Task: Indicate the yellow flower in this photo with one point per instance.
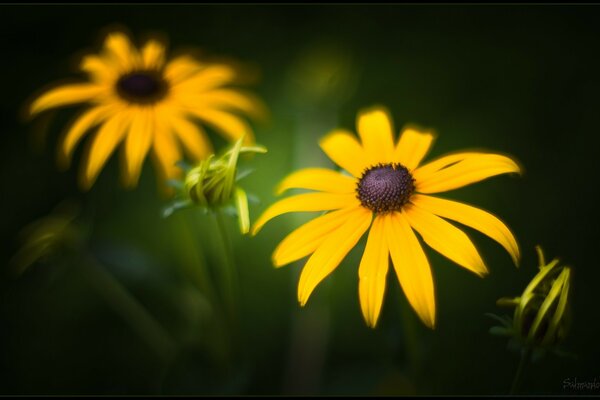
(150, 104)
(389, 191)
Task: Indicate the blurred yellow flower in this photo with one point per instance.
(140, 98)
(388, 192)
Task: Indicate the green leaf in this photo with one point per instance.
(177, 205)
(241, 174)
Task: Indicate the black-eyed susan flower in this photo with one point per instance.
(388, 191)
(150, 104)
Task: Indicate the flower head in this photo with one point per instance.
(150, 104)
(211, 184)
(388, 190)
(541, 316)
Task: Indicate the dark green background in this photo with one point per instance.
(523, 80)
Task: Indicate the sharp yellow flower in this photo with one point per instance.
(389, 191)
(139, 98)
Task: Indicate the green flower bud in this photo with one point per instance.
(541, 317)
(211, 184)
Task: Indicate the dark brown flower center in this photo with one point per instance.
(142, 87)
(385, 187)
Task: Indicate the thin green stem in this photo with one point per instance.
(193, 256)
(410, 338)
(188, 235)
(411, 341)
(132, 311)
(229, 280)
(525, 355)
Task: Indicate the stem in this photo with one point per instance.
(194, 259)
(525, 353)
(411, 341)
(132, 311)
(228, 271)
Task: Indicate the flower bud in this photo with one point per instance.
(541, 315)
(211, 184)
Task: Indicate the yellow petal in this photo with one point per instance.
(180, 68)
(442, 162)
(193, 138)
(412, 147)
(446, 239)
(331, 252)
(470, 170)
(474, 217)
(165, 151)
(119, 49)
(207, 78)
(66, 95)
(229, 125)
(153, 55)
(372, 272)
(104, 143)
(137, 144)
(344, 150)
(86, 121)
(321, 179)
(233, 100)
(305, 202)
(98, 69)
(412, 267)
(374, 126)
(305, 239)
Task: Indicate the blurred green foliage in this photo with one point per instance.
(516, 79)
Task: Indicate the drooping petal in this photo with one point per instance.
(241, 205)
(308, 237)
(207, 78)
(232, 100)
(374, 126)
(229, 125)
(344, 150)
(305, 202)
(321, 179)
(411, 266)
(180, 68)
(66, 95)
(165, 151)
(470, 170)
(99, 69)
(119, 49)
(110, 134)
(372, 272)
(138, 142)
(192, 137)
(446, 239)
(476, 218)
(153, 55)
(412, 147)
(86, 121)
(331, 252)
